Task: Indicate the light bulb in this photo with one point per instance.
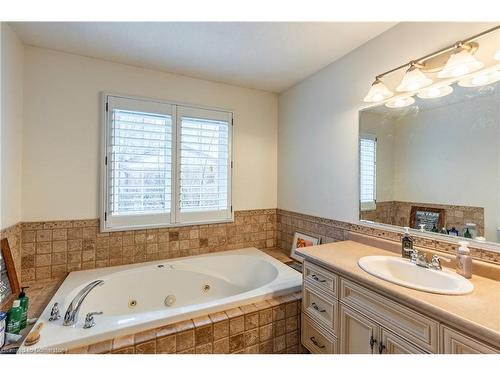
(400, 102)
(482, 78)
(459, 64)
(435, 92)
(413, 80)
(378, 92)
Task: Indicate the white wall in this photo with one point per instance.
(318, 119)
(62, 131)
(12, 52)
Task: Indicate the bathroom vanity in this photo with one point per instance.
(346, 310)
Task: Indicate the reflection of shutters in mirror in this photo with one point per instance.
(368, 171)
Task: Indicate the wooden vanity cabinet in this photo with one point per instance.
(341, 316)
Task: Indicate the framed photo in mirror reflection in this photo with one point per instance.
(428, 218)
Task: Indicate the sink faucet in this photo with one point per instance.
(71, 316)
(420, 259)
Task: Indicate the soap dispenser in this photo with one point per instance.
(464, 260)
(406, 244)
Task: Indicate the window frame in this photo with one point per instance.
(372, 205)
(172, 219)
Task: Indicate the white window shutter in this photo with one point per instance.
(204, 165)
(164, 164)
(139, 163)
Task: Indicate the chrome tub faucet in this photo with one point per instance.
(71, 316)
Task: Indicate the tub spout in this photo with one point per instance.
(71, 316)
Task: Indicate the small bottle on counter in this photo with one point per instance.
(464, 260)
(24, 305)
(406, 244)
(14, 318)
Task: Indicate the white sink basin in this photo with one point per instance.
(402, 272)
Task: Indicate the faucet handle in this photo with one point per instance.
(436, 261)
(54, 313)
(414, 255)
(89, 319)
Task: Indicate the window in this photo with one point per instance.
(164, 164)
(368, 171)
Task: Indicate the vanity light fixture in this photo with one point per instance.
(460, 64)
(452, 62)
(378, 92)
(435, 91)
(400, 102)
(413, 79)
(482, 78)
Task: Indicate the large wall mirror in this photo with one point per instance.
(434, 166)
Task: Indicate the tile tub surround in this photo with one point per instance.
(334, 230)
(268, 327)
(50, 250)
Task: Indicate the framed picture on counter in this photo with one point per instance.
(9, 283)
(302, 240)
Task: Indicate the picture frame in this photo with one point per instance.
(302, 240)
(9, 283)
(429, 216)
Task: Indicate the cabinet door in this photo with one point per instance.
(358, 334)
(390, 343)
(456, 343)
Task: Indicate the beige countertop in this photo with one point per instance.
(477, 313)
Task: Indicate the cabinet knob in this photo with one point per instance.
(318, 279)
(317, 308)
(372, 341)
(315, 342)
(381, 348)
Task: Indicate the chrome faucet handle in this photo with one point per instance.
(419, 258)
(89, 319)
(54, 313)
(436, 262)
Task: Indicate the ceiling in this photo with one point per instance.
(271, 56)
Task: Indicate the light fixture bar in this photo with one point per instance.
(460, 44)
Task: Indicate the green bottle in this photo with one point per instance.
(24, 305)
(14, 318)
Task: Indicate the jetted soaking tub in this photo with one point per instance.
(148, 295)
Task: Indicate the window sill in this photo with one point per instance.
(104, 229)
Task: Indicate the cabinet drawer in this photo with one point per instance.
(321, 278)
(315, 339)
(454, 342)
(412, 326)
(320, 307)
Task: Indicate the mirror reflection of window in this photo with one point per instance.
(368, 171)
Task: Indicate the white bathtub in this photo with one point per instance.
(200, 284)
